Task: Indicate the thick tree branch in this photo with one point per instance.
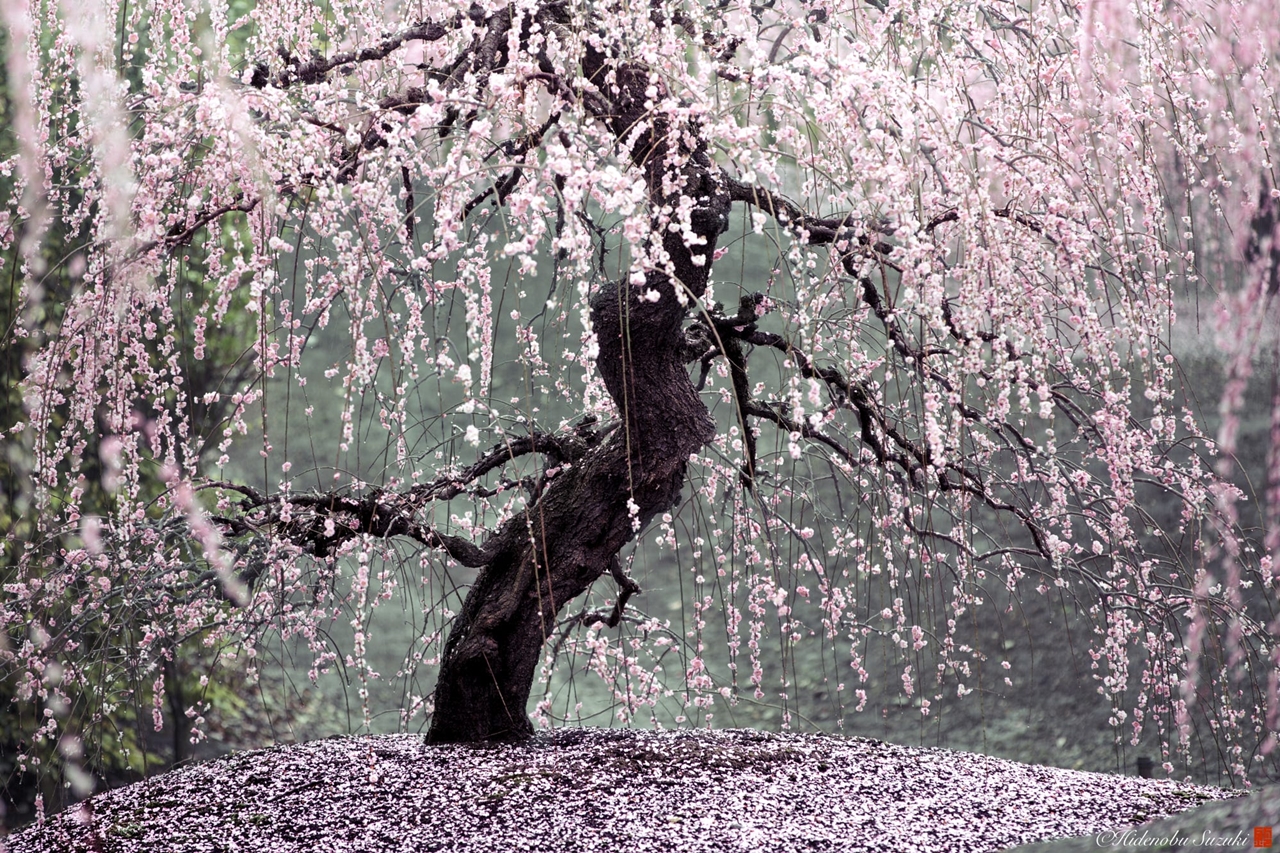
(318, 67)
(817, 231)
(565, 448)
(323, 522)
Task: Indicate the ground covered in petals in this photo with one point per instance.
(599, 789)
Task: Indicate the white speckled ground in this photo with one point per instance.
(599, 789)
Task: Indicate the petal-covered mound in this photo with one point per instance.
(600, 789)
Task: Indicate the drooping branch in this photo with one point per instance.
(912, 458)
(180, 235)
(757, 409)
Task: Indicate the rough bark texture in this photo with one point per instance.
(552, 552)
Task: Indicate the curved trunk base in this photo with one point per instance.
(557, 549)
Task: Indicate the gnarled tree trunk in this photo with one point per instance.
(553, 551)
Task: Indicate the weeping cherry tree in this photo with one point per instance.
(859, 312)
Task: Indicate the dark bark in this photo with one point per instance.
(553, 551)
